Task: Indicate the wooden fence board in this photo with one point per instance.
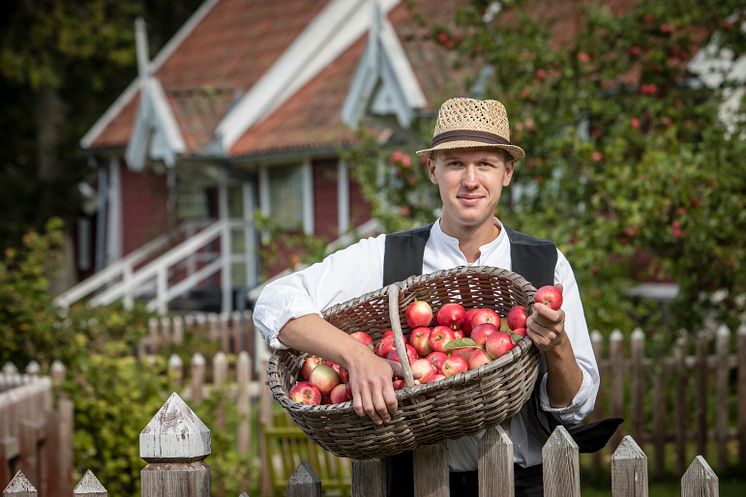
(629, 470)
(431, 471)
(561, 465)
(495, 464)
(699, 480)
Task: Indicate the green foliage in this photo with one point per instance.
(629, 168)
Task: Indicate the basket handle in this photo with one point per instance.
(398, 335)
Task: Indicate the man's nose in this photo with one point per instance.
(471, 176)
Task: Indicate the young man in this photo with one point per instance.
(471, 160)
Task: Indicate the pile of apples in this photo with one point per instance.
(461, 340)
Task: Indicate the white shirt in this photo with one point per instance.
(358, 269)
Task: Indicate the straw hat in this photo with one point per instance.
(467, 123)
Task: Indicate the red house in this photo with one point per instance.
(247, 108)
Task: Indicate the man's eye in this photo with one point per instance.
(486, 165)
(454, 164)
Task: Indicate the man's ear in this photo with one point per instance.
(431, 169)
(509, 169)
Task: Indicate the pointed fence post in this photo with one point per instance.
(304, 482)
(629, 470)
(19, 486)
(58, 372)
(638, 387)
(198, 377)
(225, 330)
(561, 465)
(166, 330)
(244, 407)
(32, 369)
(431, 470)
(617, 372)
(699, 480)
(178, 327)
(175, 444)
(153, 338)
(368, 478)
(495, 464)
(175, 369)
(89, 486)
(723, 372)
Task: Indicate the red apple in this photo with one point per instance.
(451, 315)
(308, 365)
(305, 392)
(363, 338)
(348, 391)
(454, 365)
(436, 359)
(411, 354)
(478, 358)
(399, 384)
(521, 332)
(388, 333)
(326, 400)
(436, 378)
(385, 346)
(549, 295)
(466, 327)
(465, 352)
(458, 334)
(439, 337)
(418, 313)
(481, 332)
(423, 370)
(339, 394)
(499, 344)
(420, 340)
(325, 378)
(485, 315)
(344, 375)
(517, 317)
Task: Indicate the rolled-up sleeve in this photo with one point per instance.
(341, 276)
(577, 331)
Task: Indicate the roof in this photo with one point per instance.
(231, 46)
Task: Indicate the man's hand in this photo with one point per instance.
(546, 326)
(371, 384)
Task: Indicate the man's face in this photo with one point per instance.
(470, 181)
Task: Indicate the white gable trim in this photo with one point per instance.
(384, 61)
(339, 25)
(131, 90)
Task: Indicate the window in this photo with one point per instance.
(284, 204)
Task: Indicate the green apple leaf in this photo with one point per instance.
(461, 343)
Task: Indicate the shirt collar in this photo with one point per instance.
(453, 245)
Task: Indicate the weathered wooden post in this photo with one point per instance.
(219, 370)
(175, 370)
(198, 377)
(166, 330)
(699, 480)
(618, 372)
(368, 478)
(225, 330)
(237, 332)
(304, 482)
(629, 470)
(723, 371)
(178, 330)
(495, 464)
(561, 465)
(431, 470)
(153, 338)
(89, 486)
(175, 444)
(638, 387)
(597, 414)
(243, 379)
(19, 486)
(32, 369)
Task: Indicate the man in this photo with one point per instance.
(471, 160)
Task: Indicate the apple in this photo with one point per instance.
(520, 332)
(339, 394)
(436, 359)
(325, 378)
(420, 340)
(454, 365)
(388, 333)
(423, 370)
(411, 354)
(465, 352)
(451, 315)
(516, 317)
(458, 334)
(418, 313)
(481, 332)
(399, 384)
(348, 391)
(549, 295)
(436, 378)
(308, 365)
(344, 375)
(478, 358)
(305, 392)
(440, 336)
(385, 346)
(363, 338)
(485, 315)
(466, 327)
(499, 344)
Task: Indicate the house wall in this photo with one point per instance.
(325, 198)
(144, 207)
(360, 209)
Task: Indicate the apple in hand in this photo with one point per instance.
(418, 313)
(478, 358)
(454, 365)
(485, 315)
(420, 340)
(440, 336)
(308, 365)
(305, 392)
(481, 332)
(520, 332)
(517, 317)
(499, 344)
(325, 378)
(436, 359)
(451, 315)
(549, 295)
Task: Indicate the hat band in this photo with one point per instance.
(470, 135)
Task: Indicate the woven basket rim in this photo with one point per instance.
(470, 376)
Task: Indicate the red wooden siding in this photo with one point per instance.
(144, 207)
(325, 218)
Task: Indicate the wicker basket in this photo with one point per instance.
(461, 405)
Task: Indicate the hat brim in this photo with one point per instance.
(515, 151)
